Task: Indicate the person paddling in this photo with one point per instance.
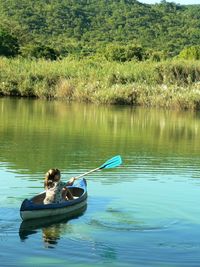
(56, 190)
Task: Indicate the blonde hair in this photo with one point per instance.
(50, 178)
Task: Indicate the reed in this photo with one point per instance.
(169, 84)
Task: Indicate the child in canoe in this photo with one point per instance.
(56, 190)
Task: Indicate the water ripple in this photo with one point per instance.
(124, 221)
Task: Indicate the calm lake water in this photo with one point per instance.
(144, 213)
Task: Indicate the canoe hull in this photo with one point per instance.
(30, 210)
(35, 214)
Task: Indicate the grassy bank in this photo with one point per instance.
(171, 84)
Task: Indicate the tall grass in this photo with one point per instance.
(167, 84)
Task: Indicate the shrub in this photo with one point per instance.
(124, 53)
(192, 53)
(9, 45)
(39, 51)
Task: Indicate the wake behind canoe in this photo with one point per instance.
(34, 208)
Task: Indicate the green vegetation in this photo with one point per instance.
(191, 53)
(88, 26)
(8, 44)
(167, 84)
(112, 52)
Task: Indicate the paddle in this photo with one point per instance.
(110, 163)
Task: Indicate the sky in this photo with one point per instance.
(181, 2)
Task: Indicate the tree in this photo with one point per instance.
(9, 45)
(163, 26)
(124, 53)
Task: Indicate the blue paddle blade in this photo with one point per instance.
(112, 163)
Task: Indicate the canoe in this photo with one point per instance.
(34, 208)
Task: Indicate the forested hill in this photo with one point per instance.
(95, 23)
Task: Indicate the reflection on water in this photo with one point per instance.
(120, 130)
(137, 214)
(52, 228)
(51, 235)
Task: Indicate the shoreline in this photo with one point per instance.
(167, 84)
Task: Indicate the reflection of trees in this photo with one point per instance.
(34, 132)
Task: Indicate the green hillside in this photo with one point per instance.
(87, 26)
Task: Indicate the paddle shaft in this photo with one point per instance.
(77, 177)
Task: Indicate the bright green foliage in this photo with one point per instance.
(91, 25)
(192, 52)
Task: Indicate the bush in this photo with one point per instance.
(39, 51)
(9, 45)
(124, 53)
(192, 53)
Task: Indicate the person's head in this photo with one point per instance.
(52, 176)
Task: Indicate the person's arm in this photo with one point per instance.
(68, 192)
(70, 182)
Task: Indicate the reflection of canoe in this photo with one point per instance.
(34, 208)
(30, 227)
